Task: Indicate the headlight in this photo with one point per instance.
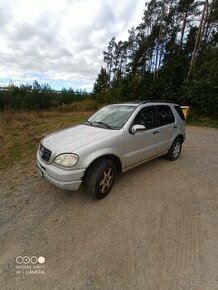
(66, 159)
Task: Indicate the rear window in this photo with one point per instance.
(180, 112)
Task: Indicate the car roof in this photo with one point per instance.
(134, 103)
(137, 103)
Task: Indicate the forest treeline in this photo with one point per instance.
(171, 55)
(37, 96)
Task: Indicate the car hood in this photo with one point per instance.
(70, 139)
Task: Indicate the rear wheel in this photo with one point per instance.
(100, 178)
(175, 150)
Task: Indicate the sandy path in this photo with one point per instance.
(158, 229)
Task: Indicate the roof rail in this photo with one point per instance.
(157, 101)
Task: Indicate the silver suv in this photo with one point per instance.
(115, 139)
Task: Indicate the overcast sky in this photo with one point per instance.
(61, 41)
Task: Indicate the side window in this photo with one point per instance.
(180, 112)
(145, 117)
(165, 115)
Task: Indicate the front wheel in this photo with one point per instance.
(100, 178)
(175, 150)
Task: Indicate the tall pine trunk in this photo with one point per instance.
(183, 29)
(198, 38)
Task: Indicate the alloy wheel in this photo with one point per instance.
(176, 149)
(106, 180)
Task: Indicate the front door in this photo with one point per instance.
(142, 145)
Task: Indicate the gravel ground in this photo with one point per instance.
(158, 229)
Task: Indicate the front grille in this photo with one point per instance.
(44, 153)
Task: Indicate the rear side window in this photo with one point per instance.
(180, 112)
(165, 115)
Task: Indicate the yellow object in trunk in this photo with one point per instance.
(186, 110)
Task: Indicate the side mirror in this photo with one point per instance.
(137, 128)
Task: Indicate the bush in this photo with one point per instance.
(37, 97)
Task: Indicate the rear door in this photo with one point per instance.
(167, 127)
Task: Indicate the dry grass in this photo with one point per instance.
(204, 121)
(81, 106)
(20, 132)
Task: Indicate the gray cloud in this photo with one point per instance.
(57, 43)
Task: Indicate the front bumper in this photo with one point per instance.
(64, 179)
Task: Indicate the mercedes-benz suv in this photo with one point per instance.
(115, 139)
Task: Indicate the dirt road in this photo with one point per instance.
(157, 230)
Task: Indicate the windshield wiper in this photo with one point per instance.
(104, 124)
(88, 122)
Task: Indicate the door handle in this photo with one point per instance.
(155, 132)
(175, 127)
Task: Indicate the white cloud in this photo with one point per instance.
(61, 40)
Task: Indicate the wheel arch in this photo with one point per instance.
(111, 157)
(181, 137)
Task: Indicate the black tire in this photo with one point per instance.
(100, 178)
(175, 150)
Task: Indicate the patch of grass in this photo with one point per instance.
(85, 105)
(21, 132)
(203, 121)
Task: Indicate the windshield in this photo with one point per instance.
(111, 117)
